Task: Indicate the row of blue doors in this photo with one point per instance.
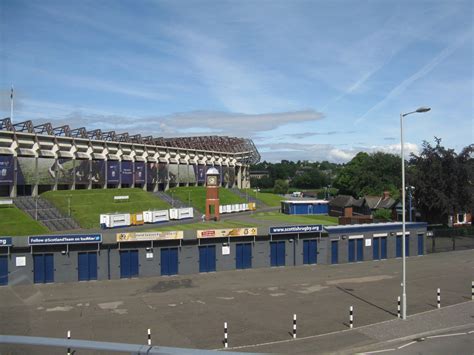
(310, 252)
(399, 246)
(3, 270)
(277, 253)
(356, 250)
(207, 258)
(169, 261)
(87, 266)
(43, 265)
(243, 256)
(128, 264)
(379, 248)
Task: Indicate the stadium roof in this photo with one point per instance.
(222, 144)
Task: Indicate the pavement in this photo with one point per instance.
(258, 305)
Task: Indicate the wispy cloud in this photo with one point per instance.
(426, 69)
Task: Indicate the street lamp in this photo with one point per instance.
(404, 293)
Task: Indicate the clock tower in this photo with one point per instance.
(212, 194)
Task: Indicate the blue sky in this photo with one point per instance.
(314, 80)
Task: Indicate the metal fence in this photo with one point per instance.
(450, 239)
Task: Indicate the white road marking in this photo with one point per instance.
(311, 289)
(59, 309)
(378, 351)
(172, 305)
(110, 305)
(445, 335)
(404, 346)
(226, 298)
(277, 294)
(472, 331)
(359, 279)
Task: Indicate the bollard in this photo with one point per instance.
(439, 298)
(149, 336)
(68, 338)
(398, 307)
(226, 344)
(351, 317)
(294, 326)
(472, 290)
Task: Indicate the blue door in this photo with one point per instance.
(169, 261)
(407, 245)
(376, 248)
(360, 249)
(87, 266)
(399, 247)
(383, 248)
(310, 251)
(243, 256)
(421, 247)
(334, 252)
(352, 250)
(277, 253)
(128, 264)
(43, 265)
(3, 270)
(207, 258)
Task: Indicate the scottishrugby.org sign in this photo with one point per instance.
(311, 228)
(65, 239)
(6, 242)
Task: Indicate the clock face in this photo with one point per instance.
(212, 180)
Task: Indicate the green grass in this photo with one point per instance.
(197, 196)
(87, 205)
(270, 199)
(14, 221)
(297, 219)
(205, 225)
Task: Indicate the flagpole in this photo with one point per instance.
(11, 105)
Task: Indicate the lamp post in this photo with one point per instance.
(404, 293)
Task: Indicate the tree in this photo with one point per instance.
(281, 187)
(442, 181)
(370, 174)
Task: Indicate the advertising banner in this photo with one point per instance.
(151, 173)
(183, 173)
(139, 172)
(127, 172)
(26, 171)
(163, 172)
(6, 169)
(232, 176)
(98, 172)
(83, 172)
(219, 169)
(6, 242)
(173, 173)
(311, 228)
(148, 236)
(65, 239)
(65, 171)
(191, 174)
(201, 173)
(226, 174)
(46, 171)
(113, 172)
(232, 232)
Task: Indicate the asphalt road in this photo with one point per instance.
(258, 305)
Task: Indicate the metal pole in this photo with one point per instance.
(36, 208)
(294, 326)
(68, 338)
(404, 292)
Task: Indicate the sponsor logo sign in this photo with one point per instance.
(65, 239)
(231, 232)
(5, 242)
(311, 228)
(147, 236)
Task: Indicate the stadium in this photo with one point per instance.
(39, 158)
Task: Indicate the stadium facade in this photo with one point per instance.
(39, 158)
